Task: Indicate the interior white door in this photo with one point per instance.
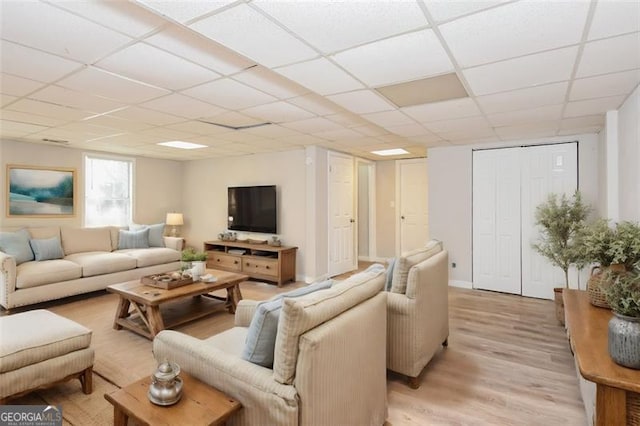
(546, 169)
(341, 217)
(496, 220)
(413, 204)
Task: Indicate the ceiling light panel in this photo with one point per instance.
(548, 94)
(455, 108)
(593, 106)
(362, 101)
(407, 57)
(268, 81)
(548, 67)
(321, 76)
(95, 81)
(61, 96)
(154, 66)
(278, 112)
(426, 90)
(17, 86)
(392, 151)
(388, 118)
(614, 18)
(545, 113)
(182, 145)
(444, 10)
(183, 106)
(230, 28)
(333, 26)
(605, 85)
(514, 29)
(147, 116)
(229, 94)
(20, 60)
(183, 11)
(45, 27)
(48, 110)
(610, 55)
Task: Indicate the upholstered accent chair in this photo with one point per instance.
(328, 365)
(418, 319)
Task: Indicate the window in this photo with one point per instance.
(107, 192)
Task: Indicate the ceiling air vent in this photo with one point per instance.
(58, 141)
(424, 91)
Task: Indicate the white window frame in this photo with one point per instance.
(100, 156)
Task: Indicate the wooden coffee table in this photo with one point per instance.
(200, 405)
(139, 306)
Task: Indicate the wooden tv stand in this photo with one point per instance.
(261, 261)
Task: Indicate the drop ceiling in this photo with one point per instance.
(123, 76)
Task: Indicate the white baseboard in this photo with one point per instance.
(461, 284)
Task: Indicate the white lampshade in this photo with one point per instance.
(175, 219)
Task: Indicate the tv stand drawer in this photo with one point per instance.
(260, 266)
(224, 261)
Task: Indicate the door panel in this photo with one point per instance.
(341, 217)
(413, 204)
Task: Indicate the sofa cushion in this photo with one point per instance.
(152, 256)
(230, 341)
(261, 335)
(46, 249)
(44, 232)
(34, 336)
(133, 239)
(156, 233)
(34, 274)
(81, 240)
(16, 244)
(304, 313)
(406, 261)
(101, 262)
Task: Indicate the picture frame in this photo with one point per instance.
(40, 192)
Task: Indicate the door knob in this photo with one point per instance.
(352, 220)
(402, 217)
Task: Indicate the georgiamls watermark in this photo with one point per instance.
(30, 415)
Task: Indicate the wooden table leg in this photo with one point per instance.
(121, 312)
(120, 418)
(233, 297)
(156, 325)
(611, 406)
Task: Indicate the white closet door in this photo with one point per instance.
(545, 169)
(496, 220)
(411, 176)
(342, 256)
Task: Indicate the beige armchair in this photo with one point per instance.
(418, 321)
(329, 359)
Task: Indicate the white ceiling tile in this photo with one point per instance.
(527, 71)
(548, 94)
(406, 57)
(278, 112)
(121, 16)
(362, 101)
(332, 26)
(195, 47)
(582, 122)
(593, 106)
(33, 64)
(610, 55)
(183, 106)
(268, 81)
(26, 117)
(62, 134)
(17, 86)
(321, 76)
(16, 127)
(579, 130)
(515, 29)
(273, 131)
(475, 140)
(444, 10)
(229, 94)
(147, 116)
(338, 135)
(6, 99)
(429, 140)
(545, 113)
(605, 85)
(614, 17)
(302, 140)
(315, 104)
(370, 130)
(151, 65)
(388, 118)
(117, 123)
(48, 110)
(184, 10)
(347, 119)
(455, 108)
(90, 131)
(112, 86)
(468, 124)
(199, 128)
(162, 134)
(409, 130)
(524, 131)
(84, 101)
(313, 125)
(45, 27)
(242, 137)
(230, 28)
(234, 119)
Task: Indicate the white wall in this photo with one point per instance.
(316, 261)
(450, 195)
(629, 157)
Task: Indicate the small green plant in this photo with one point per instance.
(610, 245)
(623, 295)
(191, 255)
(561, 219)
(625, 248)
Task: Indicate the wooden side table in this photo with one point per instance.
(200, 405)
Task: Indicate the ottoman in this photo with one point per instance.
(39, 349)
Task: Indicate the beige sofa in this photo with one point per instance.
(329, 358)
(91, 262)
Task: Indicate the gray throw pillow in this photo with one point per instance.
(156, 233)
(47, 248)
(389, 279)
(133, 239)
(16, 244)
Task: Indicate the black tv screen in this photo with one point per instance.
(252, 209)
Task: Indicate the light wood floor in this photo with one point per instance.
(508, 363)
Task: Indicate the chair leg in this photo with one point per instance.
(414, 382)
(86, 379)
(446, 342)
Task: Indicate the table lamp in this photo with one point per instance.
(174, 220)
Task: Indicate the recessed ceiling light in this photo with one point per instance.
(394, 151)
(424, 91)
(182, 145)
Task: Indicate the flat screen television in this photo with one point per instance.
(252, 209)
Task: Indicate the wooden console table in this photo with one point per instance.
(261, 261)
(616, 386)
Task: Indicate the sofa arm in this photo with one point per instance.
(244, 312)
(7, 278)
(264, 401)
(175, 243)
(399, 304)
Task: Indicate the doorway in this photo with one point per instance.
(342, 255)
(366, 210)
(412, 204)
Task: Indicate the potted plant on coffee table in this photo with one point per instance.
(561, 219)
(194, 260)
(623, 295)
